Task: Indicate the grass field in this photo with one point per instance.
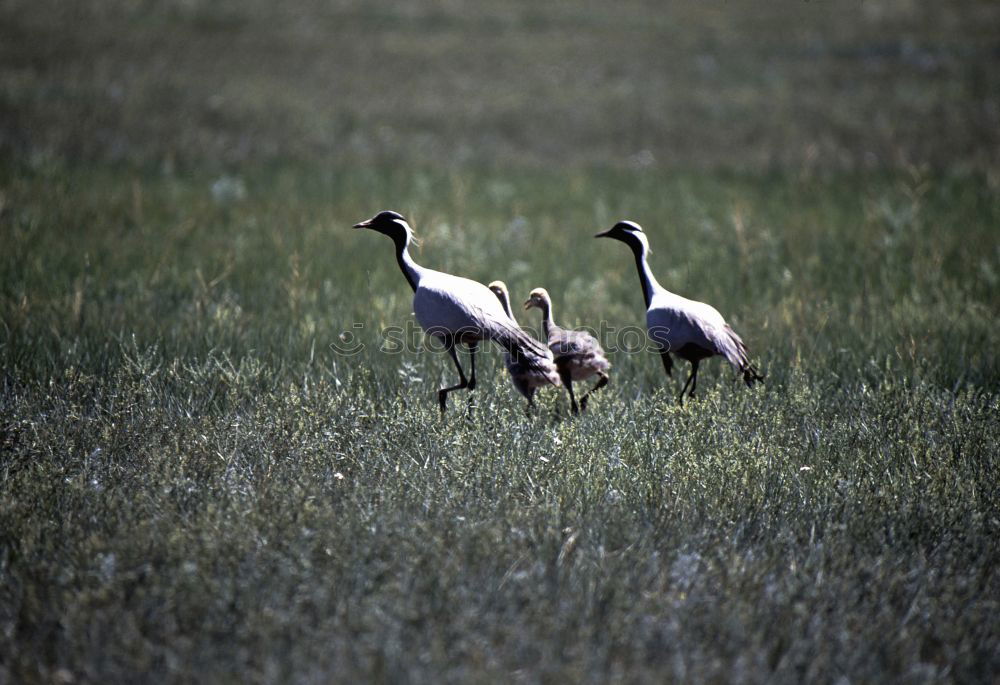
(197, 484)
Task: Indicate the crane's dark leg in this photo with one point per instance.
(462, 382)
(601, 382)
(668, 366)
(567, 381)
(531, 402)
(668, 363)
(694, 369)
(680, 398)
(472, 375)
(694, 377)
(472, 359)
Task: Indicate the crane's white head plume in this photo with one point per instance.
(630, 233)
(391, 224)
(539, 297)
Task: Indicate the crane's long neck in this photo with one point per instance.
(646, 278)
(547, 323)
(505, 303)
(411, 270)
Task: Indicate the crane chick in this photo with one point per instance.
(525, 378)
(577, 354)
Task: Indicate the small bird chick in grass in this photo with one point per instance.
(526, 379)
(577, 354)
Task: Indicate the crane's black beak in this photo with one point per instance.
(527, 304)
(363, 224)
(604, 234)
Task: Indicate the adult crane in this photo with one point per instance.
(456, 310)
(692, 330)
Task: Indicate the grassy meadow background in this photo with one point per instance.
(196, 486)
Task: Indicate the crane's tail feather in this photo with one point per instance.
(740, 358)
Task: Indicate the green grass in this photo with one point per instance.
(195, 485)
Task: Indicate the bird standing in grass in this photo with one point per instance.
(456, 310)
(577, 354)
(524, 378)
(692, 330)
